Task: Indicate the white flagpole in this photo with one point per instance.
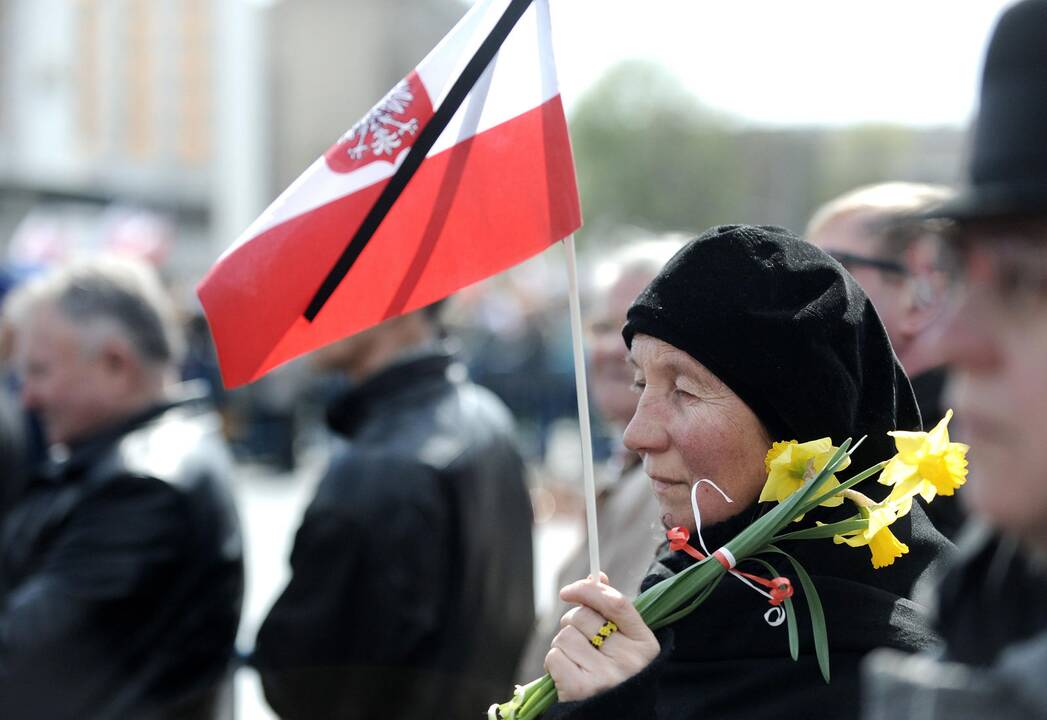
(584, 425)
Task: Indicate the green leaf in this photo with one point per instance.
(790, 612)
(671, 594)
(814, 604)
(687, 609)
(825, 531)
(794, 634)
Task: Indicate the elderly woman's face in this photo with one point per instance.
(688, 426)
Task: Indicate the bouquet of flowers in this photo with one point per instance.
(801, 477)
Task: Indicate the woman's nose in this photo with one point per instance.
(646, 430)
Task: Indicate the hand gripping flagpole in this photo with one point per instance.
(584, 425)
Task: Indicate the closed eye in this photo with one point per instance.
(680, 392)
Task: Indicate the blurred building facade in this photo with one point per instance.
(196, 111)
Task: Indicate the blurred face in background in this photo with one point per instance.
(370, 350)
(902, 284)
(610, 374)
(846, 238)
(906, 304)
(349, 355)
(75, 388)
(994, 336)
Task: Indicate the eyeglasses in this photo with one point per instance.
(852, 260)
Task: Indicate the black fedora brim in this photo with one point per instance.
(990, 201)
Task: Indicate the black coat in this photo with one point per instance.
(13, 453)
(992, 597)
(122, 577)
(724, 661)
(411, 578)
(993, 620)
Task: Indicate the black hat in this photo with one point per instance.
(788, 330)
(1008, 163)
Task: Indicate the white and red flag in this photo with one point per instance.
(370, 231)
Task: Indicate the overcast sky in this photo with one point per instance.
(790, 62)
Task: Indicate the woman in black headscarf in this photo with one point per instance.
(749, 336)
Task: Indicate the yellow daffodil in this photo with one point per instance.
(885, 547)
(885, 513)
(883, 544)
(927, 463)
(791, 463)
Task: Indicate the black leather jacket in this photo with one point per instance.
(411, 594)
(122, 576)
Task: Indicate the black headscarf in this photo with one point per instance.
(788, 330)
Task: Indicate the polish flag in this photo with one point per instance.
(496, 187)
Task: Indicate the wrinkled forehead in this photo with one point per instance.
(651, 356)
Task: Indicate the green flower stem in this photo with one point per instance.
(687, 609)
(540, 698)
(814, 604)
(844, 486)
(826, 531)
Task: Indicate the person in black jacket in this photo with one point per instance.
(12, 452)
(121, 573)
(747, 336)
(411, 590)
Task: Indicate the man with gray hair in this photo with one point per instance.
(858, 228)
(121, 573)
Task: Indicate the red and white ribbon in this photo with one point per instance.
(776, 615)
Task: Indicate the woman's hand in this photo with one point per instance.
(579, 668)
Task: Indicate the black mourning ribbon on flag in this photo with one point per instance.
(416, 154)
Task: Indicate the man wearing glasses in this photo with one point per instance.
(857, 229)
(893, 262)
